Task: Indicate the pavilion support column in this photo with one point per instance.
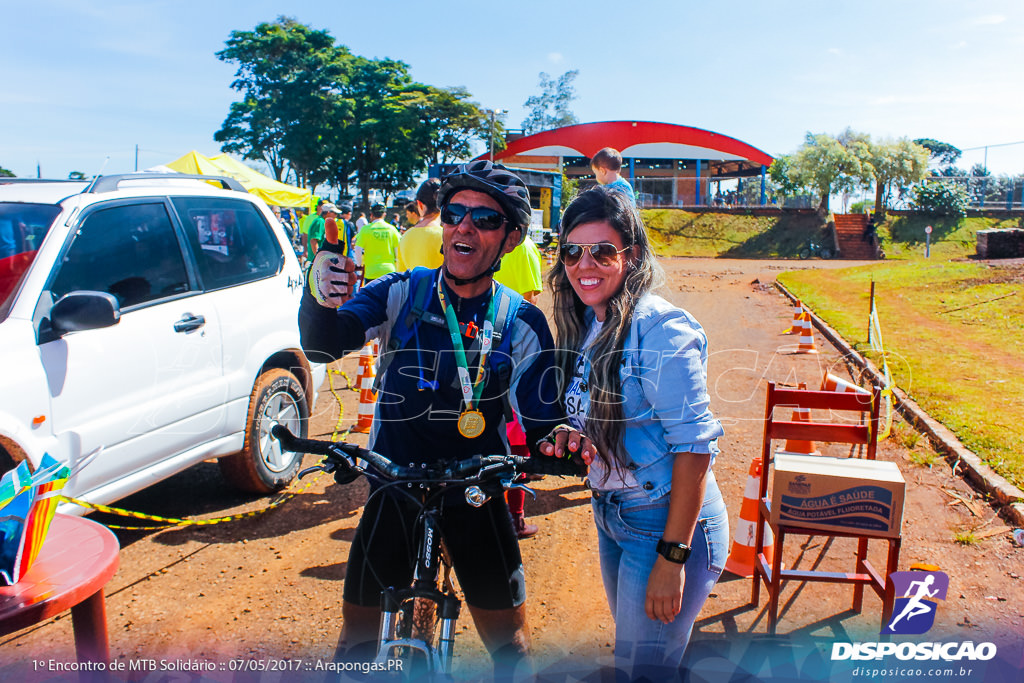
(697, 192)
(764, 194)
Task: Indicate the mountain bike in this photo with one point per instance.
(417, 628)
(815, 249)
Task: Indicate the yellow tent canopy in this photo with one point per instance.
(267, 189)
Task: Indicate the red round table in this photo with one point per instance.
(76, 561)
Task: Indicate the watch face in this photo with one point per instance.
(674, 552)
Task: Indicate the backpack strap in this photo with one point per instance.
(504, 319)
(421, 283)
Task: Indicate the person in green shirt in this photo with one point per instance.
(379, 241)
(315, 230)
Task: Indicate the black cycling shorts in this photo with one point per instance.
(481, 543)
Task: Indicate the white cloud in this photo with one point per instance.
(555, 57)
(989, 20)
(961, 45)
(834, 51)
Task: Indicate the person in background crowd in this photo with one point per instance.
(520, 272)
(606, 165)
(315, 230)
(421, 244)
(360, 220)
(379, 241)
(304, 222)
(412, 214)
(350, 227)
(662, 526)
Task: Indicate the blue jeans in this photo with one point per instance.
(628, 528)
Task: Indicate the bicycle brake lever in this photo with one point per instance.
(508, 486)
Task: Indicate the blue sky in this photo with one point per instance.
(82, 80)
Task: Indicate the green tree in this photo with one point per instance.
(550, 109)
(290, 76)
(942, 153)
(450, 123)
(4, 173)
(825, 164)
(900, 164)
(385, 130)
(943, 198)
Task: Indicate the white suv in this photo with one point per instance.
(155, 316)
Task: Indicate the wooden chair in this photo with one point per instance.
(864, 433)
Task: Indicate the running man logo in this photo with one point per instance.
(917, 599)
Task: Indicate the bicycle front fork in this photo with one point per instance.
(448, 608)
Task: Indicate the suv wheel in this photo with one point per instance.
(262, 466)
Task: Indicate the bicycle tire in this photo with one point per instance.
(825, 253)
(415, 664)
(805, 253)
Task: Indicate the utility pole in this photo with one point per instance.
(493, 113)
(136, 158)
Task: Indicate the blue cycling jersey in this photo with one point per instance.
(420, 400)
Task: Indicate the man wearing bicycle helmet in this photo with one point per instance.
(459, 353)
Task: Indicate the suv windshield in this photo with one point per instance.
(22, 229)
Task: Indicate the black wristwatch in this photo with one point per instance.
(673, 552)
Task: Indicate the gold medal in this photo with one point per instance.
(471, 424)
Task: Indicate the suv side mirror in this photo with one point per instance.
(84, 310)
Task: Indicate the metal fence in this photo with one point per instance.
(983, 192)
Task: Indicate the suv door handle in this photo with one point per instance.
(189, 323)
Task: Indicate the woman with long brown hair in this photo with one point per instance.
(634, 381)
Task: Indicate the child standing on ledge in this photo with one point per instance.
(605, 165)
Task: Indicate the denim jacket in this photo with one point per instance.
(664, 392)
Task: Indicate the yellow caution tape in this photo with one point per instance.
(168, 522)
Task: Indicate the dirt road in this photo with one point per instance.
(270, 587)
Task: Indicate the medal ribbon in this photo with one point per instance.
(471, 391)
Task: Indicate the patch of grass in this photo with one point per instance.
(925, 458)
(910, 440)
(675, 232)
(953, 338)
(903, 237)
(966, 537)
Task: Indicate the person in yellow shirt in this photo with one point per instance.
(520, 271)
(421, 244)
(379, 241)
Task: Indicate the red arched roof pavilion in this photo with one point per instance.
(646, 139)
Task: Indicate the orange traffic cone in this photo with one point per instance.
(806, 335)
(798, 320)
(741, 555)
(367, 397)
(832, 383)
(796, 445)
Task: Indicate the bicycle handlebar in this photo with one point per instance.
(474, 466)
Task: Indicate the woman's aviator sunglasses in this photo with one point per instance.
(604, 253)
(482, 217)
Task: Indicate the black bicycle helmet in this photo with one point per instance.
(496, 181)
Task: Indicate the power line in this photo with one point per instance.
(1001, 144)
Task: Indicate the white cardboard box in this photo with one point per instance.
(837, 494)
